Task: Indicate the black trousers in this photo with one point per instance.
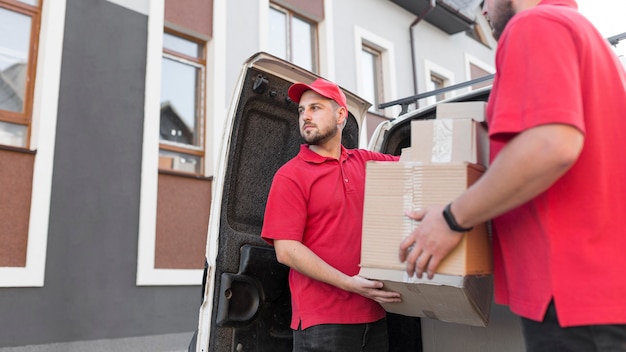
(370, 337)
(548, 336)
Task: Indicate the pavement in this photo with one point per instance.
(156, 343)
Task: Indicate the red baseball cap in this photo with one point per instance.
(320, 86)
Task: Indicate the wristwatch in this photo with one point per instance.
(454, 226)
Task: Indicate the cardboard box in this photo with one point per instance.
(449, 298)
(449, 141)
(392, 188)
(462, 110)
(463, 283)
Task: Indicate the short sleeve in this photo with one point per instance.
(285, 211)
(538, 80)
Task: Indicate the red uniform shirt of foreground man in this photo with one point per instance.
(556, 186)
(313, 218)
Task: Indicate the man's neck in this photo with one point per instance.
(329, 150)
(522, 5)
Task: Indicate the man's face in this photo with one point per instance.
(499, 13)
(318, 118)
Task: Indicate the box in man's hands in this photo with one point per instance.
(462, 288)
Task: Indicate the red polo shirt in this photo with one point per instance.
(569, 243)
(319, 201)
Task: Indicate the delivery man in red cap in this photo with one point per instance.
(314, 218)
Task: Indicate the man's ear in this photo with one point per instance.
(343, 115)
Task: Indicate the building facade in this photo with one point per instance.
(111, 115)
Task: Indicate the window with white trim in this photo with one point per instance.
(375, 76)
(437, 82)
(182, 118)
(293, 37)
(476, 68)
(19, 33)
(37, 117)
(372, 77)
(437, 77)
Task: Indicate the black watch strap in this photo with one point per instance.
(454, 226)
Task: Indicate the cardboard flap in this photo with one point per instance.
(450, 298)
(443, 141)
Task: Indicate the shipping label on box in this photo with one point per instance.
(449, 141)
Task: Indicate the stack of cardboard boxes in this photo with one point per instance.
(446, 156)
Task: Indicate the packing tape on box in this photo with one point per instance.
(442, 141)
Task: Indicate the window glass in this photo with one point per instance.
(181, 126)
(477, 72)
(438, 83)
(30, 2)
(179, 102)
(14, 46)
(368, 78)
(292, 38)
(302, 44)
(181, 45)
(12, 134)
(278, 33)
(372, 77)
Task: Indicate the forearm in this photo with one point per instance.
(300, 258)
(526, 167)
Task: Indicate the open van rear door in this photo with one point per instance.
(246, 298)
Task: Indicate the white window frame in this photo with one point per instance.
(378, 79)
(200, 113)
(43, 138)
(430, 69)
(140, 6)
(325, 36)
(472, 60)
(291, 15)
(147, 274)
(388, 57)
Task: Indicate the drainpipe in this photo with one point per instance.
(421, 16)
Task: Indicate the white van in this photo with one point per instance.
(246, 300)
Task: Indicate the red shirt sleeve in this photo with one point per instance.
(537, 89)
(285, 211)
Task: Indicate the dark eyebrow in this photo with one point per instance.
(314, 104)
